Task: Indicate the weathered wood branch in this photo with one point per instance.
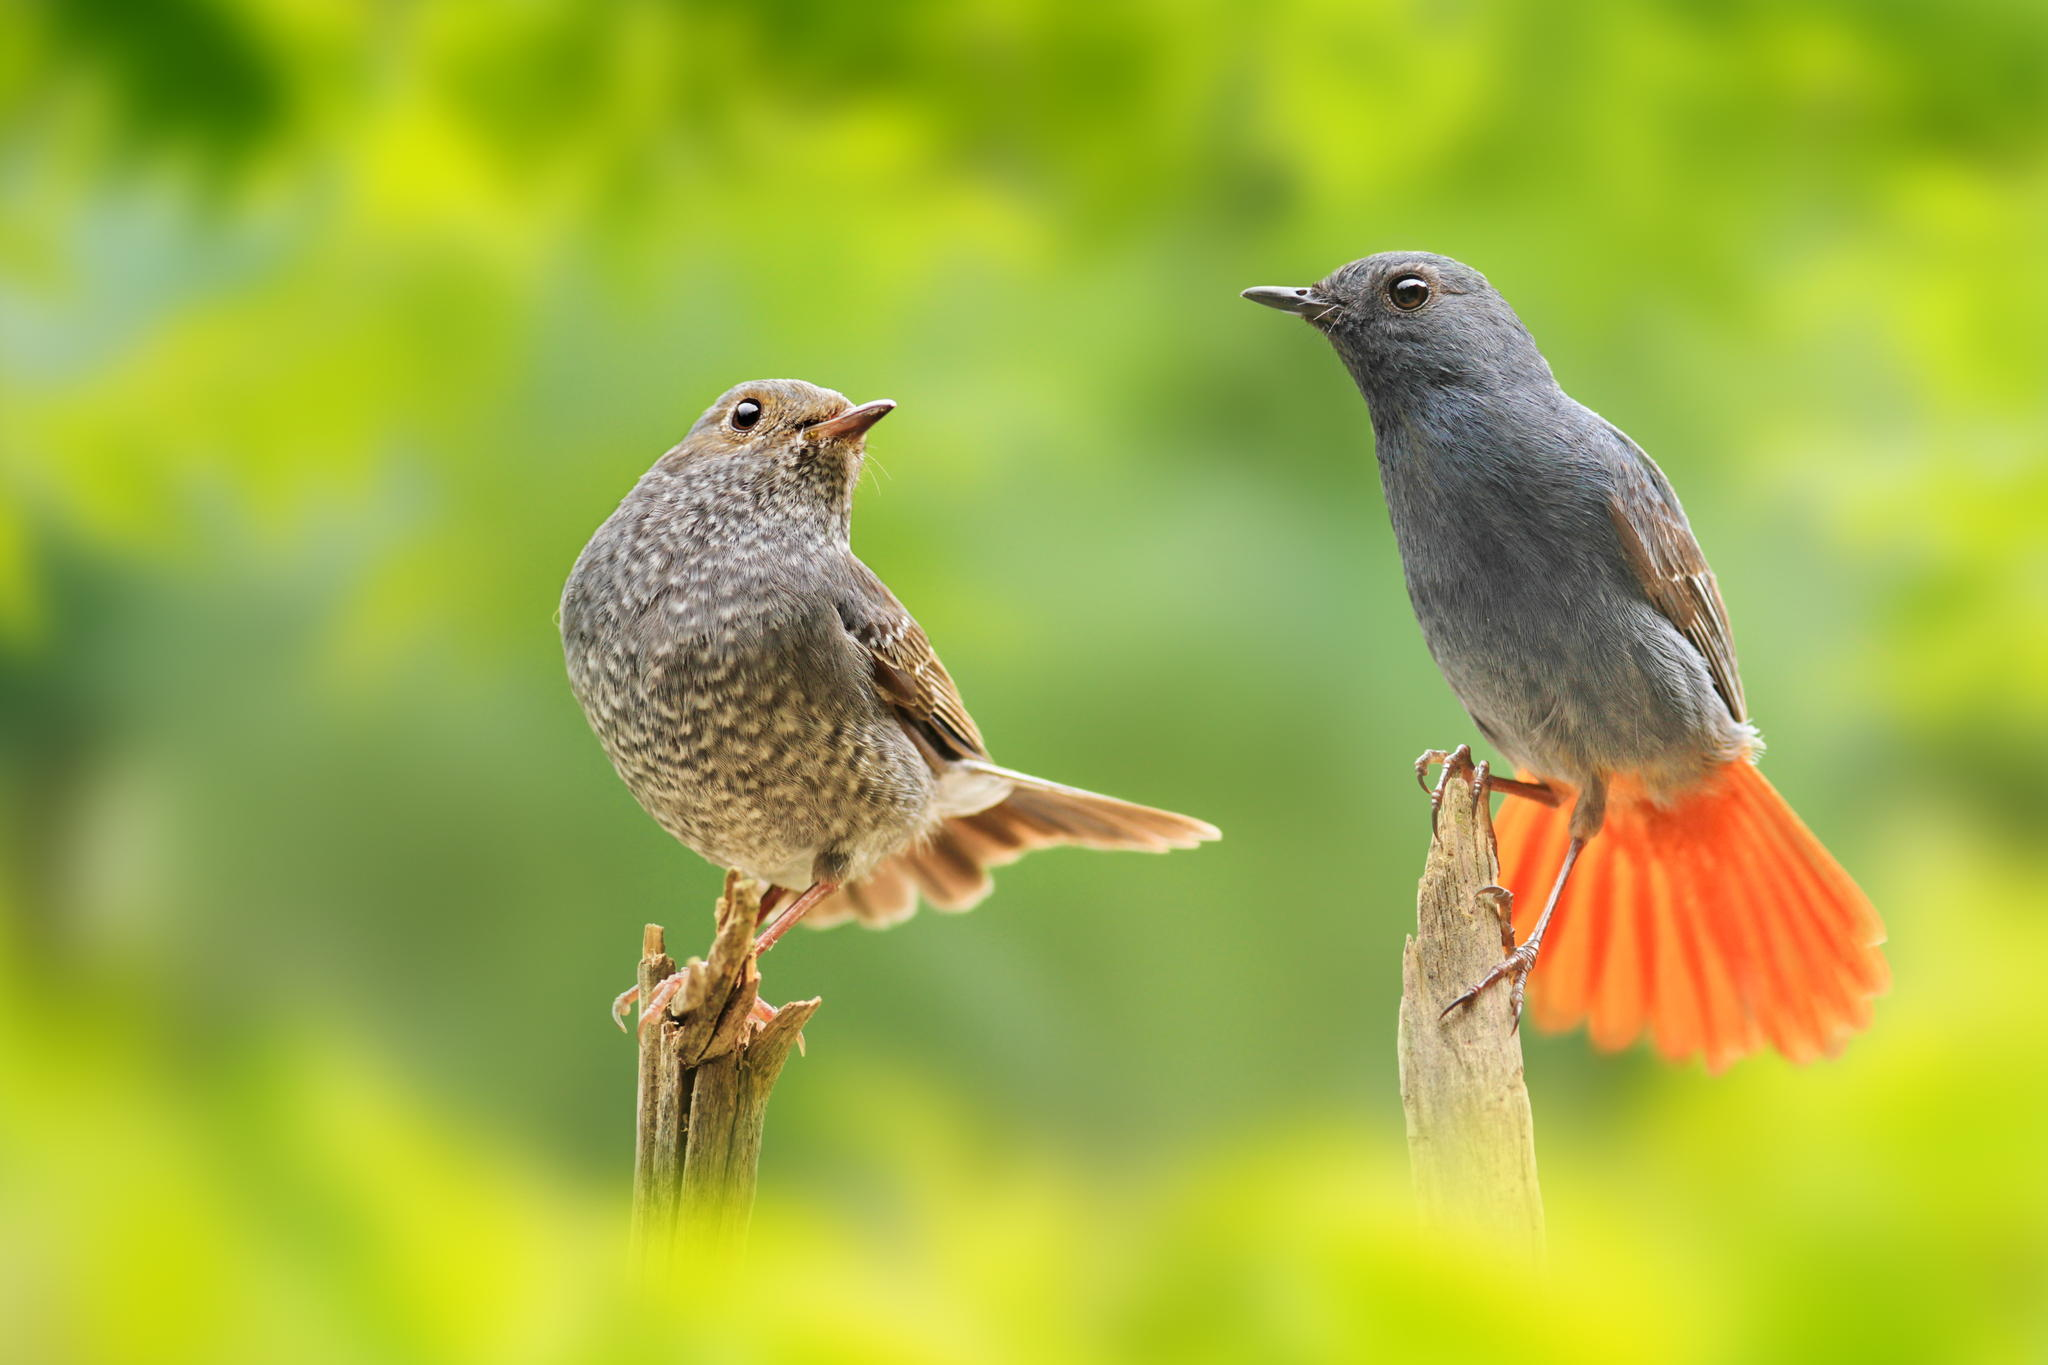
(707, 1067)
(1471, 1138)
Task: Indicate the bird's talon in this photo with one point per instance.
(657, 1002)
(764, 1015)
(1517, 965)
(619, 1004)
(1452, 759)
(1503, 901)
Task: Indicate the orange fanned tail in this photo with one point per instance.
(1716, 925)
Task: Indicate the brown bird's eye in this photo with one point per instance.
(1409, 292)
(745, 413)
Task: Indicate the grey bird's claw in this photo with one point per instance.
(1456, 759)
(1520, 960)
(1503, 903)
(1422, 763)
(1515, 965)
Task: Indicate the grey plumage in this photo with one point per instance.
(1551, 567)
(1566, 601)
(769, 701)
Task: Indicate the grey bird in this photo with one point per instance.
(773, 706)
(1563, 595)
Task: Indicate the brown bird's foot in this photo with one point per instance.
(763, 1012)
(769, 898)
(620, 1002)
(664, 991)
(791, 913)
(764, 1015)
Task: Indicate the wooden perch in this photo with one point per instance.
(707, 1066)
(1471, 1140)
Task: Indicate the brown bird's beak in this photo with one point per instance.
(854, 422)
(1305, 302)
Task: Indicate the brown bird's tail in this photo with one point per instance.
(949, 867)
(1715, 925)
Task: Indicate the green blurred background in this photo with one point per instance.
(328, 332)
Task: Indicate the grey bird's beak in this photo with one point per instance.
(854, 422)
(1304, 302)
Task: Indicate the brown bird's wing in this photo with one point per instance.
(949, 864)
(1659, 545)
(908, 672)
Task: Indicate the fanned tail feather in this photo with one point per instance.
(1717, 925)
(949, 867)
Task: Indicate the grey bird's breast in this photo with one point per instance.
(712, 662)
(1501, 507)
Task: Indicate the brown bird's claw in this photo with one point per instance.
(619, 1003)
(763, 1012)
(764, 1015)
(657, 1002)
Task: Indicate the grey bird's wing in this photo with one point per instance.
(907, 670)
(1659, 546)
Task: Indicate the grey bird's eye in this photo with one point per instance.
(745, 413)
(1409, 292)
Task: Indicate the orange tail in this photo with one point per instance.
(1717, 925)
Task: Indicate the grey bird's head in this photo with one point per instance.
(1405, 322)
(779, 441)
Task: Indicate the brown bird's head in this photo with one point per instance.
(782, 422)
(776, 450)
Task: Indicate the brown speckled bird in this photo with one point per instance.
(770, 702)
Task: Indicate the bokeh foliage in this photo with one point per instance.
(328, 332)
